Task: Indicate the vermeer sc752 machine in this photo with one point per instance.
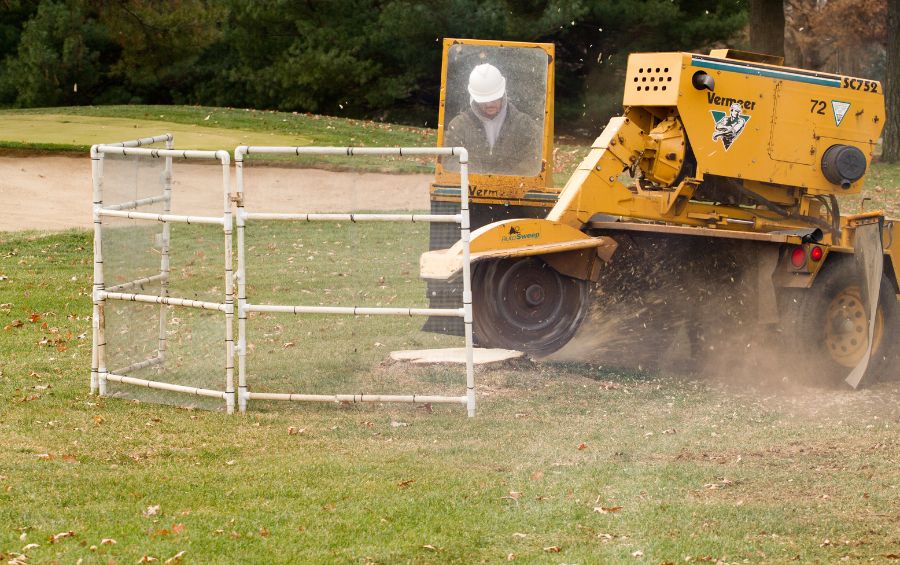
(730, 163)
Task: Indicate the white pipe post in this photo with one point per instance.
(229, 284)
(164, 259)
(97, 285)
(239, 153)
(467, 277)
(98, 323)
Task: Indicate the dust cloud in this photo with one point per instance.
(685, 305)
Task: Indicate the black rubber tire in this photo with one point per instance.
(805, 317)
(505, 317)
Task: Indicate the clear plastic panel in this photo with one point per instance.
(516, 147)
(176, 260)
(366, 264)
(194, 352)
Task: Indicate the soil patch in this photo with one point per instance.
(49, 193)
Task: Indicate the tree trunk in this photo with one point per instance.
(767, 26)
(891, 144)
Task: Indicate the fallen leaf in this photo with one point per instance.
(107, 541)
(99, 420)
(395, 424)
(177, 528)
(607, 509)
(537, 475)
(44, 456)
(35, 317)
(292, 431)
(510, 556)
(175, 558)
(148, 559)
(29, 547)
(61, 535)
(151, 511)
(429, 546)
(264, 532)
(406, 483)
(519, 535)
(230, 462)
(553, 549)
(638, 553)
(582, 446)
(515, 495)
(69, 458)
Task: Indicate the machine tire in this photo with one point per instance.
(821, 350)
(526, 305)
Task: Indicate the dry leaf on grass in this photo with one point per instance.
(582, 446)
(406, 483)
(29, 547)
(553, 549)
(637, 553)
(148, 559)
(107, 541)
(429, 546)
(395, 424)
(61, 535)
(537, 475)
(177, 558)
(151, 511)
(607, 509)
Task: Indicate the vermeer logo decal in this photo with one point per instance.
(729, 126)
(515, 234)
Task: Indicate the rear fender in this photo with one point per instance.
(563, 247)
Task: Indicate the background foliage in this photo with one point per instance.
(354, 58)
(380, 59)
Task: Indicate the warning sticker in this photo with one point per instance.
(840, 110)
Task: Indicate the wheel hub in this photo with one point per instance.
(846, 327)
(534, 295)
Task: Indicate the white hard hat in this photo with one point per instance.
(486, 83)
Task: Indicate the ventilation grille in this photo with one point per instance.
(652, 79)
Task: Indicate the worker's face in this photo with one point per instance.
(490, 109)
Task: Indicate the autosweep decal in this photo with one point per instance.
(515, 234)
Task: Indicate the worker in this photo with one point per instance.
(499, 137)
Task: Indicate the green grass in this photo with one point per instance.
(198, 127)
(700, 470)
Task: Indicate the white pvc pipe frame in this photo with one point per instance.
(244, 394)
(100, 374)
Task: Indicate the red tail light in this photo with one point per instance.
(816, 253)
(798, 257)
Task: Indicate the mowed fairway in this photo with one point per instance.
(563, 463)
(73, 130)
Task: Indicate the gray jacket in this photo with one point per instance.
(517, 150)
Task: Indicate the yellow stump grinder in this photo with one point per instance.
(724, 173)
